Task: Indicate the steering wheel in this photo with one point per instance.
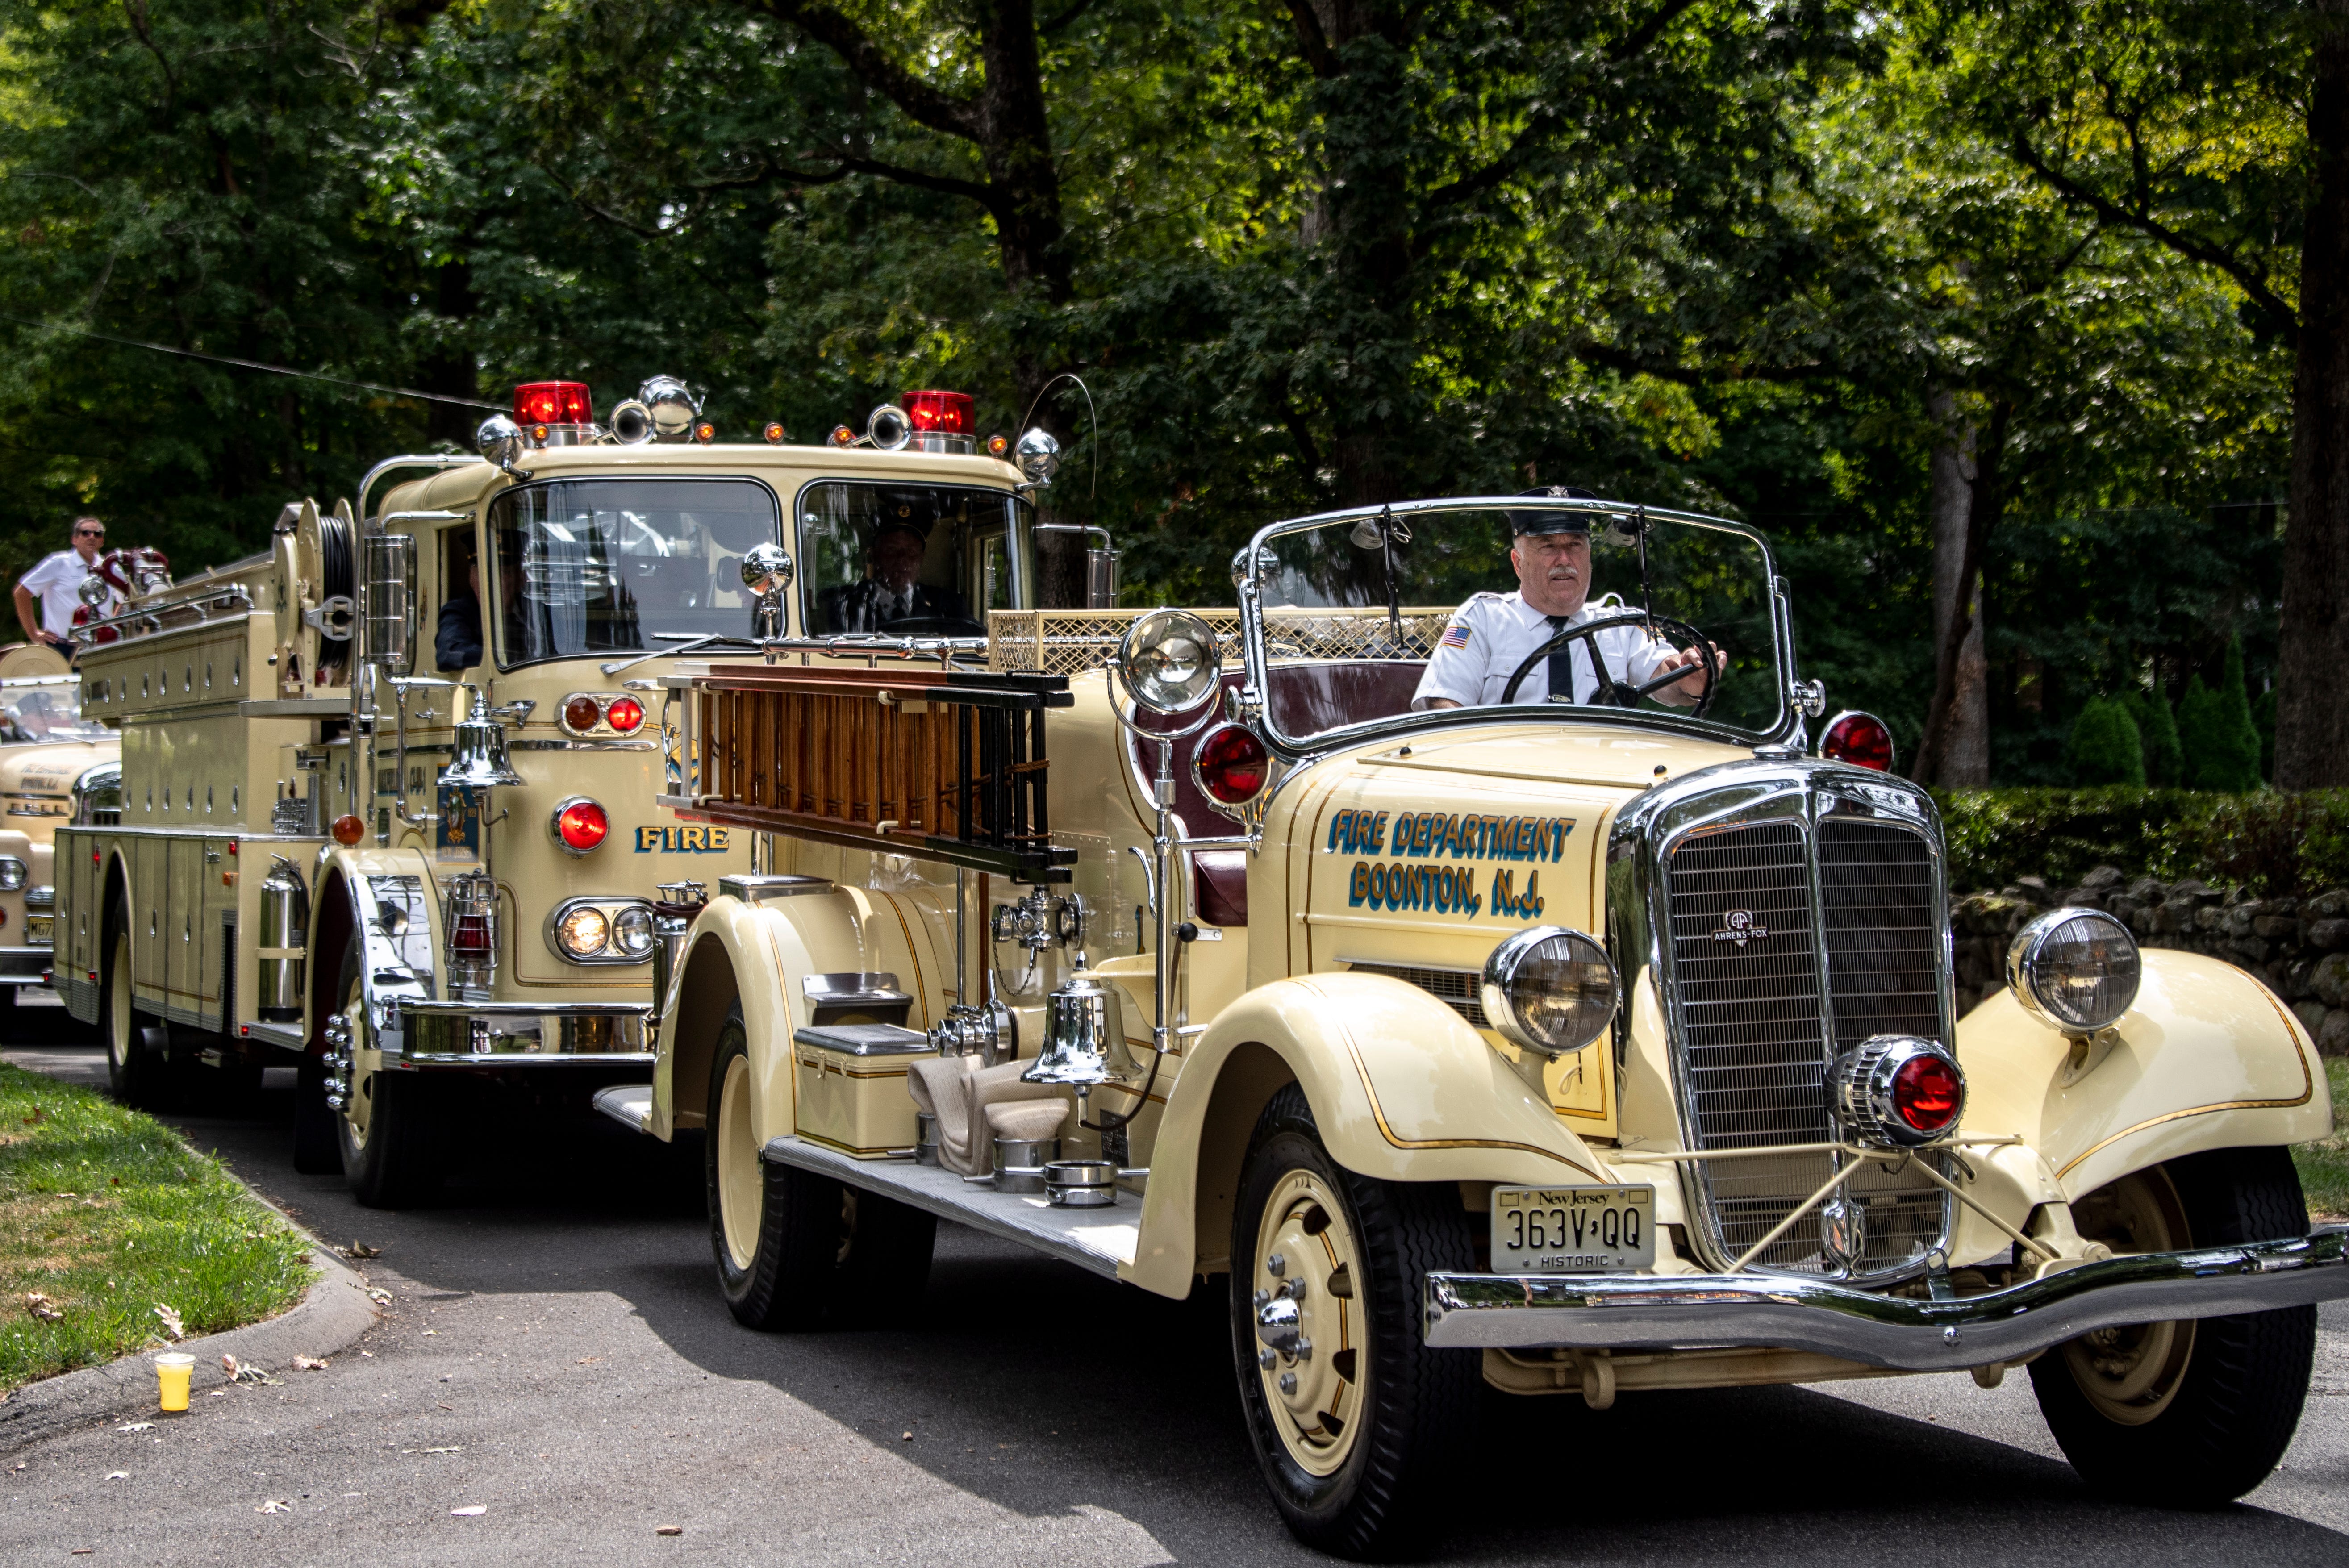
(1613, 693)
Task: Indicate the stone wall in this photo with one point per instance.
(2299, 947)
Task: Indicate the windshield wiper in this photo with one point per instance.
(686, 641)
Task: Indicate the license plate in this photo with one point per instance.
(1573, 1230)
(40, 929)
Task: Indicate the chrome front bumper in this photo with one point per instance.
(524, 1034)
(1688, 1311)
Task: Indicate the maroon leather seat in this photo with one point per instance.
(1302, 699)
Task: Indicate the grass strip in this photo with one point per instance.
(2324, 1164)
(107, 1214)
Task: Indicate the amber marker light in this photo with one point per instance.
(581, 713)
(999, 445)
(349, 829)
(774, 432)
(842, 435)
(705, 432)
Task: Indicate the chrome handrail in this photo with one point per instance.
(233, 593)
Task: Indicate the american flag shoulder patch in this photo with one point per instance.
(1455, 635)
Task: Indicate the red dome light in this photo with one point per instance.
(553, 403)
(624, 715)
(1232, 765)
(1859, 739)
(949, 412)
(348, 830)
(581, 825)
(1927, 1095)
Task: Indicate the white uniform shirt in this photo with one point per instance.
(1489, 636)
(57, 581)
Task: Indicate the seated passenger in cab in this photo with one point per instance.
(457, 642)
(892, 591)
(1491, 634)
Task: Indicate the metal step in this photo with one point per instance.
(630, 1104)
(1097, 1240)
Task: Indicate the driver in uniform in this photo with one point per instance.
(1491, 634)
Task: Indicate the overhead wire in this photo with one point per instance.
(249, 364)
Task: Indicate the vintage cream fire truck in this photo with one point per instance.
(1570, 1047)
(387, 798)
(45, 750)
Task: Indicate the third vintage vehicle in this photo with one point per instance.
(1570, 1047)
(47, 750)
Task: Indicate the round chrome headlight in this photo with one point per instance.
(1898, 1091)
(1549, 990)
(1169, 660)
(632, 930)
(12, 874)
(2076, 969)
(584, 933)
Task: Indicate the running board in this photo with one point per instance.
(1097, 1240)
(630, 1104)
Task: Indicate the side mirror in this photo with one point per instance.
(499, 440)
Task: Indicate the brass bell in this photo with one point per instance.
(478, 755)
(1084, 1036)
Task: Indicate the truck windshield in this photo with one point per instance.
(603, 565)
(44, 708)
(1463, 627)
(899, 560)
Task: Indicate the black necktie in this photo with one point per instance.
(1561, 663)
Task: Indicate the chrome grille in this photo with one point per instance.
(1750, 941)
(1457, 987)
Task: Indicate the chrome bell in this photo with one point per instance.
(477, 756)
(1084, 1036)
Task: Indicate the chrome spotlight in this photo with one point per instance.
(1038, 457)
(499, 440)
(1169, 661)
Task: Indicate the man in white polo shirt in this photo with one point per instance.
(56, 584)
(1490, 636)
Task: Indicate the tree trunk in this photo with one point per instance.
(1965, 759)
(2312, 721)
(1985, 500)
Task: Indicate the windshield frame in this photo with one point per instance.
(1020, 562)
(77, 729)
(1247, 575)
(494, 637)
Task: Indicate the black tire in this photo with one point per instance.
(393, 1161)
(818, 1253)
(135, 1073)
(317, 1148)
(2225, 1405)
(1372, 1486)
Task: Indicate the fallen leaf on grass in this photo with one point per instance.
(310, 1363)
(42, 1307)
(474, 1511)
(275, 1506)
(670, 1530)
(358, 1249)
(171, 1324)
(379, 1296)
(37, 1117)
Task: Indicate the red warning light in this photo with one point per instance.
(553, 403)
(950, 413)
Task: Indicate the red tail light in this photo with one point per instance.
(624, 715)
(1927, 1095)
(580, 825)
(1859, 739)
(553, 403)
(948, 412)
(471, 935)
(1231, 765)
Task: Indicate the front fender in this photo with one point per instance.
(2207, 1059)
(1402, 1088)
(756, 954)
(398, 960)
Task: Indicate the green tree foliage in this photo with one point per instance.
(2157, 726)
(2242, 731)
(2106, 746)
(2215, 734)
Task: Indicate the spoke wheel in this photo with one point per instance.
(2188, 1414)
(1357, 1423)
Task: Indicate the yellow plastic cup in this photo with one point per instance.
(173, 1370)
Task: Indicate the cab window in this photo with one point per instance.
(910, 560)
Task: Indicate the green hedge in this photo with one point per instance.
(2273, 843)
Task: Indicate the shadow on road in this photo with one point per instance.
(1067, 1390)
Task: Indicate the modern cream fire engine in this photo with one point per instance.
(388, 802)
(1575, 1047)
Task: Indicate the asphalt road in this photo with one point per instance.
(555, 1357)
